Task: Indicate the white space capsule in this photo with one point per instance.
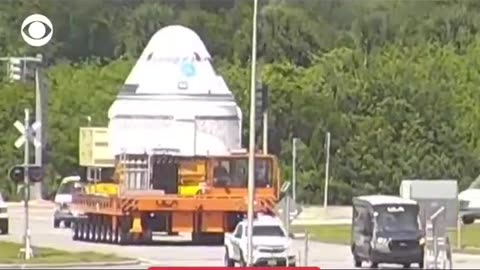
(173, 100)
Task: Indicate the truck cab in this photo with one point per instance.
(271, 243)
(63, 198)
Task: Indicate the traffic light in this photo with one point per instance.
(35, 174)
(17, 174)
(16, 69)
(261, 99)
(21, 70)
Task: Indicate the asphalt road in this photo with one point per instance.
(326, 256)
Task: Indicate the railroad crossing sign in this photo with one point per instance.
(30, 134)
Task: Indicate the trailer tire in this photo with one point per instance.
(91, 232)
(4, 228)
(105, 235)
(83, 231)
(126, 239)
(123, 237)
(118, 236)
(147, 236)
(95, 234)
(108, 234)
(75, 231)
(78, 227)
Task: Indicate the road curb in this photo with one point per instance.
(322, 222)
(66, 265)
(32, 205)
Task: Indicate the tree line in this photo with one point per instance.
(394, 82)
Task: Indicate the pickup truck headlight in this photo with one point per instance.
(421, 241)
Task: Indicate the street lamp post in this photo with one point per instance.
(294, 169)
(327, 167)
(251, 152)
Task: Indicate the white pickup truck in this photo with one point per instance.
(271, 244)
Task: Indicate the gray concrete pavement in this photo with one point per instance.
(326, 256)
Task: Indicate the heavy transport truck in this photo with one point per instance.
(203, 195)
(170, 159)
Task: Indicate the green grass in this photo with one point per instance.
(340, 234)
(334, 234)
(9, 254)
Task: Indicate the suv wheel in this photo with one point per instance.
(242, 260)
(358, 262)
(467, 220)
(228, 262)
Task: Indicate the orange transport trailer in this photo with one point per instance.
(205, 196)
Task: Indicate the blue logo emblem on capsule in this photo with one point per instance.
(188, 69)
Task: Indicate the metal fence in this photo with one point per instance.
(301, 253)
(438, 254)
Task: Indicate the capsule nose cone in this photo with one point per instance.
(173, 53)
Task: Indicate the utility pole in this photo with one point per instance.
(265, 130)
(40, 99)
(26, 188)
(327, 166)
(251, 152)
(294, 169)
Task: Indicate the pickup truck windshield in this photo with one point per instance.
(69, 188)
(274, 231)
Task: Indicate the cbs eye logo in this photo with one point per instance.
(37, 30)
